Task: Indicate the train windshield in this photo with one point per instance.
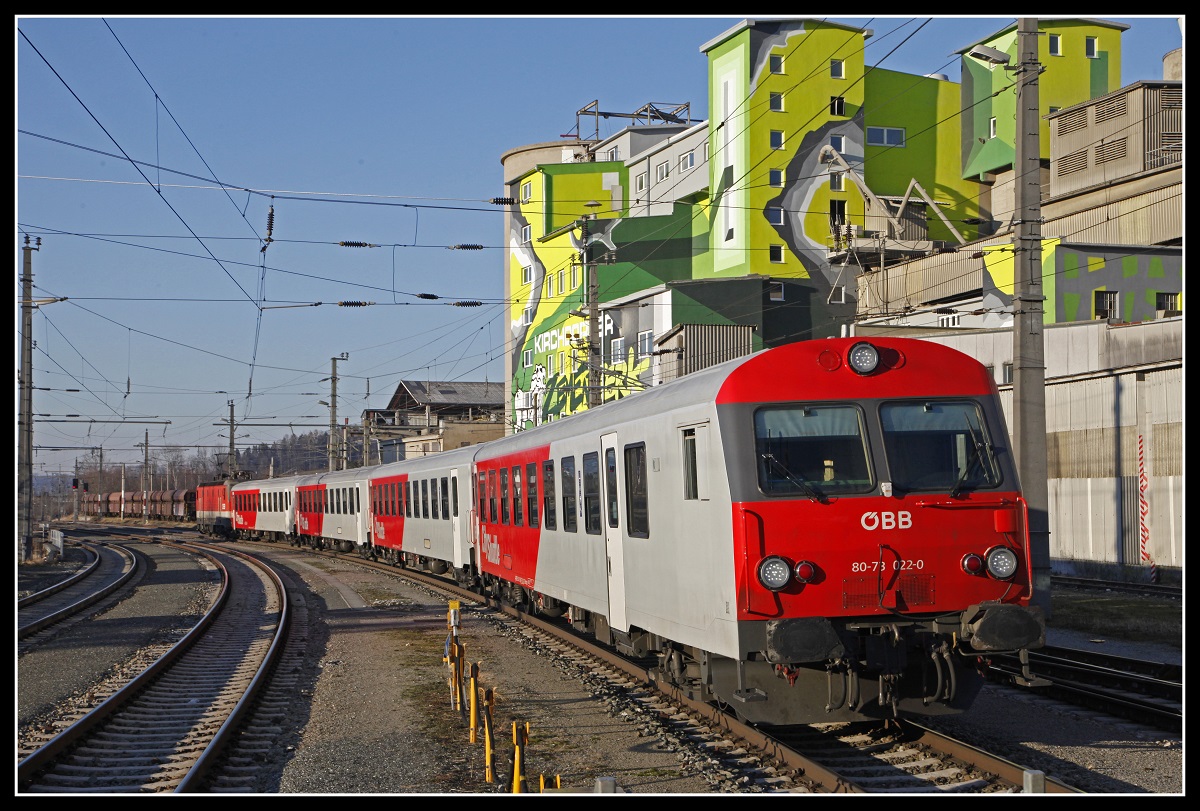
(811, 450)
(939, 445)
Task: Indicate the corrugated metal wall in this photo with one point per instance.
(1114, 410)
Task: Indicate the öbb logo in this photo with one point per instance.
(886, 520)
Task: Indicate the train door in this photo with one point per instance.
(610, 521)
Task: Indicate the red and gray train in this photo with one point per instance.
(829, 530)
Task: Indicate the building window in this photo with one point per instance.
(775, 252)
(776, 62)
(837, 181)
(837, 69)
(992, 127)
(527, 316)
(561, 277)
(614, 154)
(617, 350)
(549, 285)
(1091, 47)
(949, 320)
(1106, 303)
(527, 274)
(837, 294)
(526, 192)
(1007, 372)
(1168, 302)
(550, 364)
(775, 178)
(1054, 108)
(645, 343)
(775, 215)
(662, 171)
(525, 233)
(776, 139)
(775, 291)
(885, 136)
(527, 358)
(838, 143)
(1055, 41)
(776, 100)
(837, 105)
(639, 182)
(574, 276)
(687, 161)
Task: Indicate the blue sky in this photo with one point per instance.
(384, 130)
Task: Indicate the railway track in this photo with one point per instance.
(1150, 693)
(896, 757)
(164, 729)
(1094, 584)
(39, 614)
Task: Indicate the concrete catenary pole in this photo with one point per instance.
(1029, 370)
(25, 418)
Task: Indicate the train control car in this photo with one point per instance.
(824, 531)
(331, 510)
(421, 513)
(265, 509)
(214, 509)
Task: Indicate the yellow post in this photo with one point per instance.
(489, 773)
(474, 702)
(516, 774)
(541, 783)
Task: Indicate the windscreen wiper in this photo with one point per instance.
(977, 446)
(812, 492)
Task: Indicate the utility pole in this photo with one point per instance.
(75, 494)
(595, 341)
(25, 419)
(331, 447)
(1029, 370)
(232, 463)
(146, 476)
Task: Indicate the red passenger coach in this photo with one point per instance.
(388, 502)
(510, 507)
(310, 513)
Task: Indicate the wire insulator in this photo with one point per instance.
(466, 246)
(467, 303)
(503, 201)
(427, 295)
(346, 243)
(355, 303)
(270, 220)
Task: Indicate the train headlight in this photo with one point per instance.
(805, 571)
(775, 573)
(972, 564)
(1001, 563)
(863, 358)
